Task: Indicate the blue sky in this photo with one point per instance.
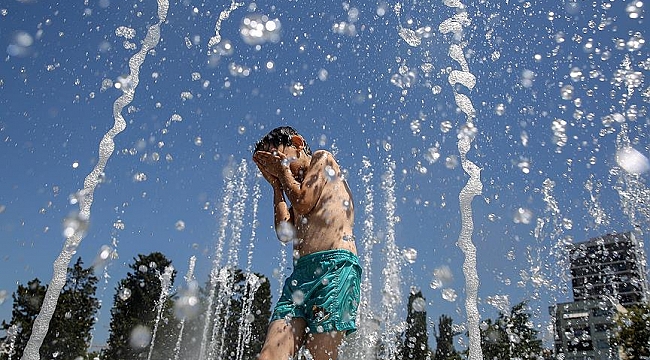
(343, 76)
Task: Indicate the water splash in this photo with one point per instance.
(253, 282)
(391, 293)
(224, 15)
(225, 274)
(474, 187)
(106, 148)
(165, 284)
(224, 214)
(187, 301)
(361, 346)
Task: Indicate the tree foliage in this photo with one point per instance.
(70, 328)
(27, 301)
(445, 340)
(72, 323)
(140, 315)
(633, 333)
(416, 337)
(511, 336)
(238, 318)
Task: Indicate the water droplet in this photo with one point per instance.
(258, 29)
(451, 162)
(468, 130)
(296, 88)
(410, 36)
(74, 224)
(286, 232)
(634, 9)
(410, 255)
(418, 304)
(298, 297)
(575, 74)
(442, 276)
(500, 109)
(249, 318)
(330, 173)
(567, 92)
(501, 302)
(322, 74)
(140, 337)
(140, 177)
(635, 42)
(445, 126)
(632, 161)
(124, 294)
(449, 294)
(186, 95)
(527, 78)
(125, 32)
(432, 155)
(435, 284)
(523, 216)
(180, 225)
(524, 165)
(105, 252)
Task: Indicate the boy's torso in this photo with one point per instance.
(330, 223)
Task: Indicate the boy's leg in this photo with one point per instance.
(324, 346)
(283, 339)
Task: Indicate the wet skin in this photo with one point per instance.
(322, 209)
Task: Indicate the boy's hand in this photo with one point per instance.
(262, 165)
(273, 163)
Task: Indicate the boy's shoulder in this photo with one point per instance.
(322, 153)
(323, 157)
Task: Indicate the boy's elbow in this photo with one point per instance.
(302, 207)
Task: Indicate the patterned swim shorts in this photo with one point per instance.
(324, 289)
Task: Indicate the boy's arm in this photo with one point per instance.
(281, 211)
(280, 207)
(303, 196)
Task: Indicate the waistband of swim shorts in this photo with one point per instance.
(338, 254)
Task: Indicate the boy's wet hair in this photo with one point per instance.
(279, 136)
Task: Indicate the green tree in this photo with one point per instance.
(445, 340)
(511, 336)
(70, 331)
(240, 312)
(250, 310)
(494, 339)
(142, 310)
(416, 336)
(633, 333)
(27, 304)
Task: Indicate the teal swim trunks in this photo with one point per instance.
(324, 289)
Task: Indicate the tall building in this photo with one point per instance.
(607, 272)
(609, 266)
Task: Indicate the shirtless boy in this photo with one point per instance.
(319, 299)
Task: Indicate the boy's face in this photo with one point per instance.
(291, 154)
(291, 151)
